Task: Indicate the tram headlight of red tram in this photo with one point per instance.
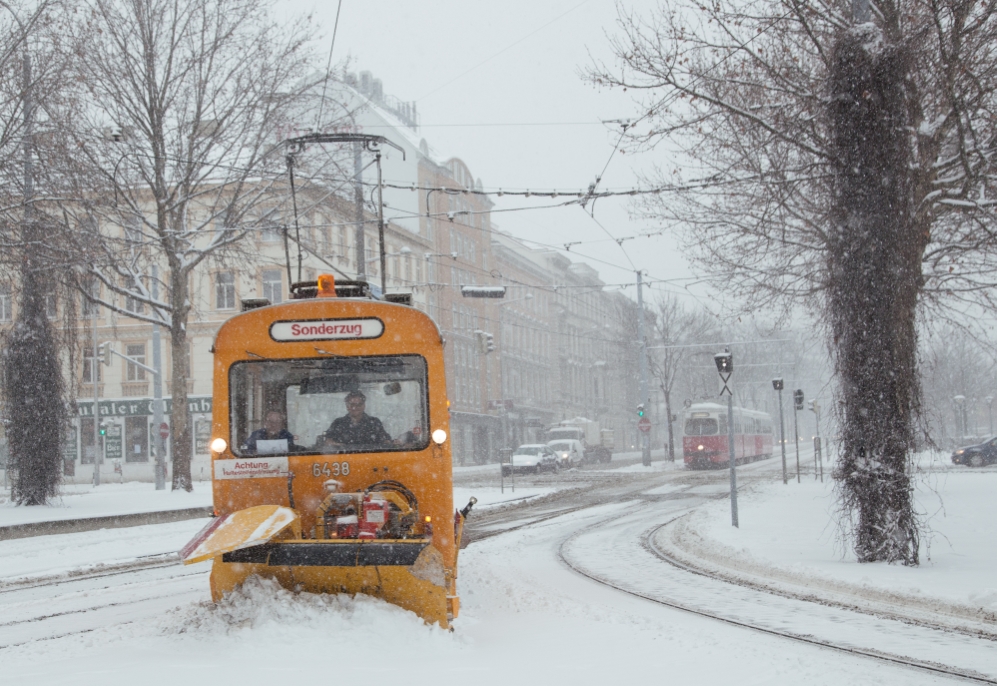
(700, 447)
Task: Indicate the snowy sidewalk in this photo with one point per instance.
(83, 501)
(787, 542)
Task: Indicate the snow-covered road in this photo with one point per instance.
(526, 618)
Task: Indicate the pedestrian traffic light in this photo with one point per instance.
(798, 398)
(640, 410)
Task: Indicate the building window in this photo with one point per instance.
(224, 291)
(137, 353)
(134, 305)
(88, 366)
(270, 234)
(6, 311)
(273, 285)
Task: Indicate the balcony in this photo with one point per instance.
(134, 389)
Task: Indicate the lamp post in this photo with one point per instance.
(990, 413)
(502, 366)
(725, 367)
(778, 384)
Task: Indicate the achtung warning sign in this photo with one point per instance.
(251, 468)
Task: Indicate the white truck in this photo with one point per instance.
(598, 443)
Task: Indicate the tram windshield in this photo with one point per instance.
(329, 405)
(701, 426)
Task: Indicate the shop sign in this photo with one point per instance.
(140, 407)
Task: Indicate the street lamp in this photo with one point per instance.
(725, 367)
(502, 374)
(990, 402)
(778, 384)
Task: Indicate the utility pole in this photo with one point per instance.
(157, 392)
(644, 399)
(358, 199)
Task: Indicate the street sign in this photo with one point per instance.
(164, 431)
(644, 424)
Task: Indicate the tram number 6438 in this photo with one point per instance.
(330, 469)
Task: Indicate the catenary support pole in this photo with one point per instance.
(733, 460)
(782, 440)
(157, 392)
(96, 400)
(358, 200)
(380, 227)
(644, 400)
(796, 434)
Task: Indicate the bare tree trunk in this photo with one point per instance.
(668, 420)
(875, 276)
(178, 382)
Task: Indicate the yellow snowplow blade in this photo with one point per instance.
(410, 588)
(242, 529)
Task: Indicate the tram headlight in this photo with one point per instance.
(439, 437)
(218, 445)
(699, 447)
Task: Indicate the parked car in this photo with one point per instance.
(533, 457)
(568, 452)
(977, 455)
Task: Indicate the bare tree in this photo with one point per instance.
(676, 331)
(758, 97)
(175, 153)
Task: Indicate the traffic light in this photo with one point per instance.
(640, 410)
(104, 352)
(486, 342)
(103, 429)
(814, 407)
(798, 398)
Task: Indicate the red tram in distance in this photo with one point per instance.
(705, 441)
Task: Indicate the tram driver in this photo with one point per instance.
(273, 437)
(356, 428)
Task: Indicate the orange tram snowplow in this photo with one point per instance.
(330, 451)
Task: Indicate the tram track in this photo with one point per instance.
(927, 666)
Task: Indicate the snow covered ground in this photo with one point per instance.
(786, 534)
(526, 619)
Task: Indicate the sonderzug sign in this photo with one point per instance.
(139, 407)
(326, 329)
(251, 468)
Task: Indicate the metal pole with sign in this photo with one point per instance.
(798, 405)
(725, 367)
(777, 384)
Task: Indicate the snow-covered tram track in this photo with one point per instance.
(85, 603)
(615, 553)
(873, 605)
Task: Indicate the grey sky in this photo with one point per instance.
(498, 85)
